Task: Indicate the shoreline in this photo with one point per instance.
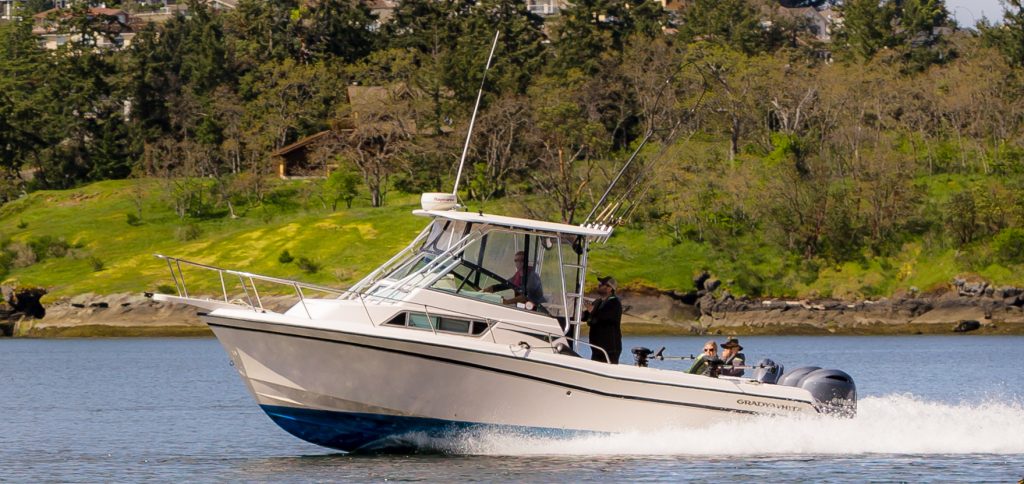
(648, 313)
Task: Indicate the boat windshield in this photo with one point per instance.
(529, 270)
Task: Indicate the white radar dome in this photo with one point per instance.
(438, 201)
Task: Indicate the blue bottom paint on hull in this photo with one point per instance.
(368, 432)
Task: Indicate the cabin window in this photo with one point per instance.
(479, 327)
(442, 324)
(419, 320)
(454, 325)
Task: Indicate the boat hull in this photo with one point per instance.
(371, 432)
(352, 391)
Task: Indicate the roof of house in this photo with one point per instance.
(301, 143)
(63, 12)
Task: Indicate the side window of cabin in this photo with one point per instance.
(419, 320)
(439, 323)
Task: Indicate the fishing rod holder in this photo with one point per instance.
(642, 355)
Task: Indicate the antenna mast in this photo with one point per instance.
(472, 120)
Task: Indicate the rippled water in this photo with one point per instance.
(932, 408)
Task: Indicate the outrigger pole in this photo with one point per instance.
(619, 210)
(617, 176)
(472, 120)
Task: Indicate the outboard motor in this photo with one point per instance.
(833, 390)
(768, 371)
(792, 379)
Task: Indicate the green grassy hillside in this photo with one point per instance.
(108, 255)
(81, 240)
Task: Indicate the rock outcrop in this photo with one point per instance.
(996, 310)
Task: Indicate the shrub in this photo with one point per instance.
(22, 255)
(166, 289)
(1009, 245)
(48, 246)
(133, 219)
(22, 224)
(285, 257)
(6, 262)
(188, 232)
(307, 265)
(96, 263)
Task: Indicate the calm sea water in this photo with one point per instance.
(932, 408)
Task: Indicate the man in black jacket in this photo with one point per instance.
(604, 316)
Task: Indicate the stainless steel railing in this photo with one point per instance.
(246, 280)
(254, 301)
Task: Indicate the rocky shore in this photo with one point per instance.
(92, 315)
(964, 307)
(974, 307)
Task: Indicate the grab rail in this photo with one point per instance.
(255, 302)
(178, 275)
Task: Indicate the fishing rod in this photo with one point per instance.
(624, 205)
(611, 185)
(472, 119)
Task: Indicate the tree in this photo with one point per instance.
(290, 100)
(910, 27)
(22, 73)
(260, 31)
(336, 28)
(341, 186)
(733, 23)
(500, 154)
(589, 31)
(566, 142)
(1008, 36)
(738, 88)
(520, 53)
(429, 30)
(867, 27)
(381, 137)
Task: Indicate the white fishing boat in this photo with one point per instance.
(431, 343)
(474, 325)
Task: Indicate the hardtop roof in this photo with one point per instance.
(514, 222)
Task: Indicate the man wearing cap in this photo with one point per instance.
(604, 316)
(731, 356)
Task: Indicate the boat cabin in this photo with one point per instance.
(512, 263)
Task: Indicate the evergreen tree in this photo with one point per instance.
(1008, 37)
(339, 28)
(735, 23)
(260, 31)
(519, 55)
(908, 27)
(590, 30)
(22, 72)
(867, 27)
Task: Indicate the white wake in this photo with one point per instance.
(894, 424)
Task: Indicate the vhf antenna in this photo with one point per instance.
(472, 120)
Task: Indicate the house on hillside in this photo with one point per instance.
(546, 8)
(370, 113)
(299, 159)
(383, 10)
